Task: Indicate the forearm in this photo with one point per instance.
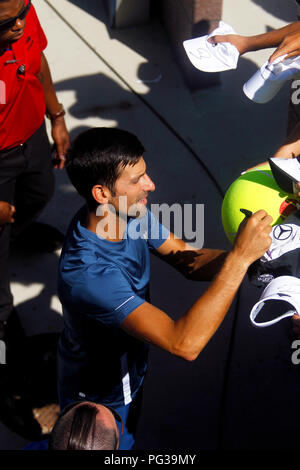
(52, 104)
(193, 331)
(187, 336)
(270, 39)
(194, 264)
(56, 114)
(207, 264)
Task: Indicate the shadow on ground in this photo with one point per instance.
(28, 382)
(287, 13)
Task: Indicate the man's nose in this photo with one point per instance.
(148, 184)
(19, 24)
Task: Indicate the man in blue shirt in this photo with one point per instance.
(104, 276)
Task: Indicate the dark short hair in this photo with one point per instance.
(97, 156)
(79, 429)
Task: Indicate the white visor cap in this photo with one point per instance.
(284, 289)
(209, 57)
(268, 80)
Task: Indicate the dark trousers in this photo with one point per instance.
(27, 182)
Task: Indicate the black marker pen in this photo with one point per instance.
(246, 212)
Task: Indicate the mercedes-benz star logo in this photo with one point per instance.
(282, 232)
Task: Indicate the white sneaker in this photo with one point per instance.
(267, 81)
(286, 172)
(284, 290)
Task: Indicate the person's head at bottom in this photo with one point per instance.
(85, 426)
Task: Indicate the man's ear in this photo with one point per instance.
(101, 194)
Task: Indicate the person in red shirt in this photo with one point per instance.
(26, 95)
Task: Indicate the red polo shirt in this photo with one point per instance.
(22, 101)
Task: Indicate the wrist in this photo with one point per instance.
(246, 44)
(238, 260)
(251, 43)
(56, 115)
(58, 121)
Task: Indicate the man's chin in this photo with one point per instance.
(139, 209)
(16, 37)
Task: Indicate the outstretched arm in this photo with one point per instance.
(286, 39)
(187, 336)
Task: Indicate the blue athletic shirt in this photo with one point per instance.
(100, 283)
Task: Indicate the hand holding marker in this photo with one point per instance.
(248, 214)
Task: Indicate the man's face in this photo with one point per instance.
(135, 184)
(13, 31)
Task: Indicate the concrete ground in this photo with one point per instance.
(241, 393)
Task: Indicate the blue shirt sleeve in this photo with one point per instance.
(106, 295)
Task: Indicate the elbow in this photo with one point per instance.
(186, 352)
(189, 357)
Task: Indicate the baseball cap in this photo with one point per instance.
(285, 290)
(268, 80)
(210, 57)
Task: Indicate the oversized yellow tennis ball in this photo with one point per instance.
(256, 189)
